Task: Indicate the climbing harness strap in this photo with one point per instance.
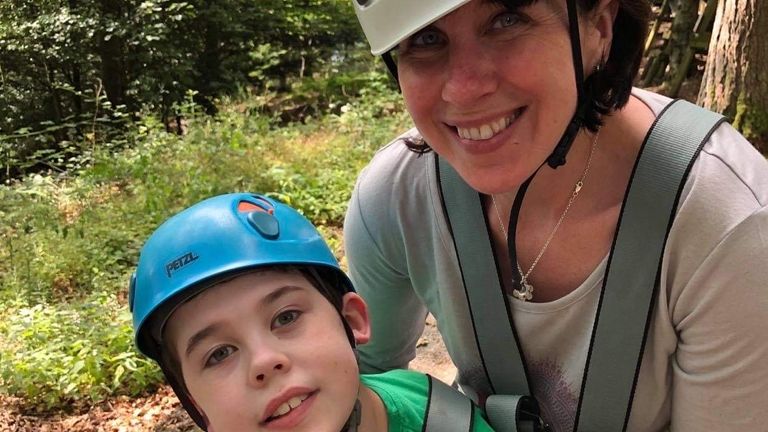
(629, 287)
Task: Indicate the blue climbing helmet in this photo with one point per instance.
(211, 242)
(214, 240)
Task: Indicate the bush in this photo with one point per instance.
(76, 353)
(69, 242)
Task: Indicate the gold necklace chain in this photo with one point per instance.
(525, 292)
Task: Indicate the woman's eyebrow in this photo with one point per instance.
(509, 4)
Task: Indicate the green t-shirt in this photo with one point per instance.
(404, 394)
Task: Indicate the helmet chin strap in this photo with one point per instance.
(186, 401)
(353, 422)
(557, 158)
(354, 418)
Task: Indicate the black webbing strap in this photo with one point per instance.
(627, 299)
(631, 283)
(488, 303)
(447, 409)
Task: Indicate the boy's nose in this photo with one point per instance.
(266, 364)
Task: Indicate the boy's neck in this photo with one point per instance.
(374, 414)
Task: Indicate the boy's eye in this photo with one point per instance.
(220, 354)
(505, 20)
(285, 318)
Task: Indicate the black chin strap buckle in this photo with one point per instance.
(557, 158)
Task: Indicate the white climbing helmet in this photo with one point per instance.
(387, 22)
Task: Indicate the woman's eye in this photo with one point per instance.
(425, 38)
(220, 354)
(285, 318)
(504, 20)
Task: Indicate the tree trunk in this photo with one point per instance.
(686, 12)
(76, 74)
(735, 81)
(113, 73)
(209, 63)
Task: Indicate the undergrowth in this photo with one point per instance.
(68, 242)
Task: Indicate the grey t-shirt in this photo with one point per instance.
(704, 363)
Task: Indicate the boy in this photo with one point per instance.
(254, 324)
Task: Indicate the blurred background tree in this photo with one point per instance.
(73, 71)
(735, 80)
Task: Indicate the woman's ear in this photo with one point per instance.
(603, 18)
(355, 312)
(599, 34)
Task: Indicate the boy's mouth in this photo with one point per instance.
(287, 406)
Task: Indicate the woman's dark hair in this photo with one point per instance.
(608, 89)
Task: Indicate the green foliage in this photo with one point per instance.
(68, 242)
(61, 62)
(353, 77)
(81, 352)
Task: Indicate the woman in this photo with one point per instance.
(490, 88)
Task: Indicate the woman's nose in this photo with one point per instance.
(266, 363)
(470, 75)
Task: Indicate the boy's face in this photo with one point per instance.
(254, 346)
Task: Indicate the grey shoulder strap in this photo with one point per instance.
(447, 409)
(626, 301)
(631, 282)
(488, 305)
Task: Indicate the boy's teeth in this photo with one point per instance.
(296, 401)
(485, 131)
(282, 409)
(289, 405)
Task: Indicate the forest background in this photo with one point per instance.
(116, 114)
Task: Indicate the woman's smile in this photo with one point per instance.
(483, 130)
(483, 86)
(478, 137)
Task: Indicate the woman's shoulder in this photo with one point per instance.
(393, 195)
(726, 192)
(727, 161)
(395, 163)
(656, 102)
(396, 177)
(729, 174)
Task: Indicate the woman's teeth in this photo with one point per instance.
(288, 406)
(485, 131)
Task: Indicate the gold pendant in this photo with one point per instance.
(525, 293)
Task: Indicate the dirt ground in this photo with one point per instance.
(161, 411)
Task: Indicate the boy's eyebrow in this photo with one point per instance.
(268, 299)
(198, 337)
